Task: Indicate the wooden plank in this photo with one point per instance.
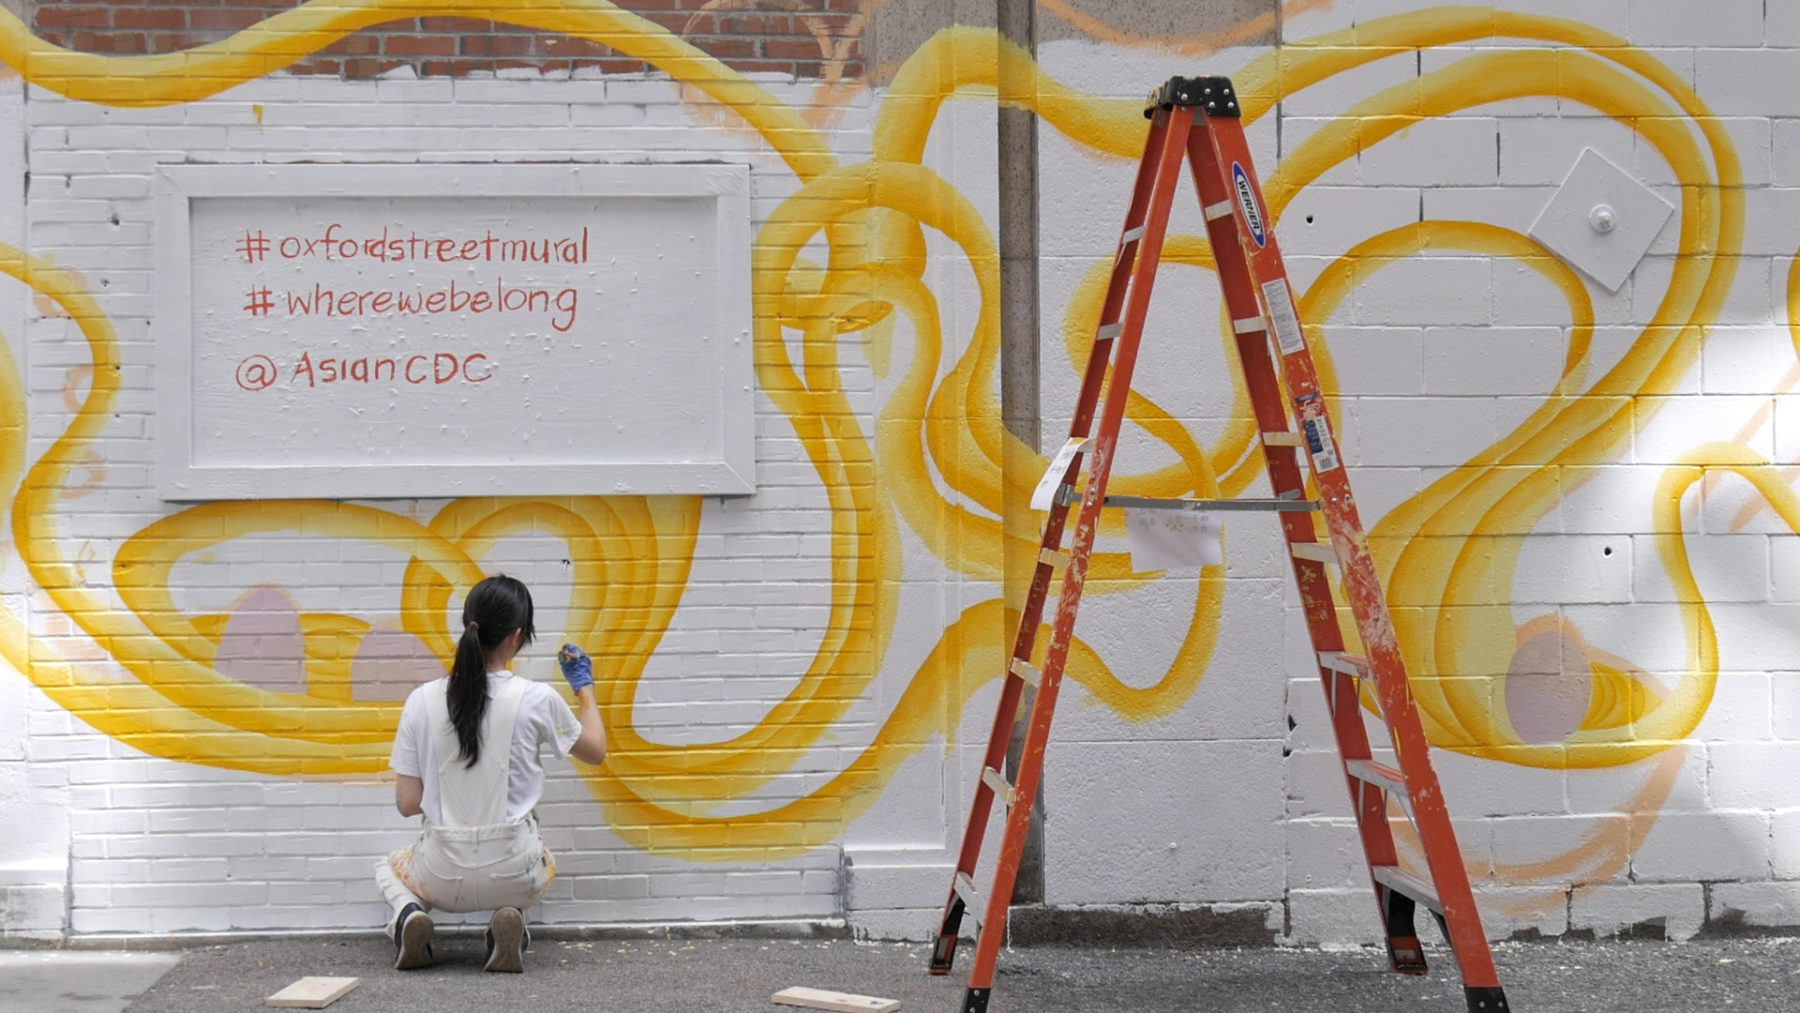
(840, 1002)
(312, 993)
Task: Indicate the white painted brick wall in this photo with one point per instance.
(160, 847)
(1438, 356)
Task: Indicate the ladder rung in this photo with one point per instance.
(1155, 503)
(1132, 235)
(1056, 559)
(1248, 325)
(1214, 212)
(1022, 668)
(1400, 881)
(974, 905)
(1349, 664)
(1107, 332)
(1317, 551)
(997, 781)
(1283, 439)
(1378, 774)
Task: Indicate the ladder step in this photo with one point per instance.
(1003, 790)
(1055, 559)
(1402, 882)
(1248, 325)
(1378, 774)
(1107, 332)
(1283, 439)
(1342, 661)
(1132, 235)
(1156, 503)
(1022, 668)
(974, 905)
(1318, 552)
(1214, 212)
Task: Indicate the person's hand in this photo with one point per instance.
(577, 667)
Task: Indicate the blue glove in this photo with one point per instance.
(577, 667)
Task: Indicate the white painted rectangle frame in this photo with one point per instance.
(180, 479)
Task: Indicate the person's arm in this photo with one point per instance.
(578, 670)
(591, 746)
(409, 788)
(409, 794)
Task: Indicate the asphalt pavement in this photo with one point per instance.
(735, 975)
(739, 975)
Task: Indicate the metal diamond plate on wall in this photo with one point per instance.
(1601, 220)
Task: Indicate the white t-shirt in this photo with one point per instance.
(544, 719)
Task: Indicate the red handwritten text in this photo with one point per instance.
(336, 243)
(436, 369)
(561, 305)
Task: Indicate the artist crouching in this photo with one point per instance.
(467, 758)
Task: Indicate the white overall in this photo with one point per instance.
(476, 861)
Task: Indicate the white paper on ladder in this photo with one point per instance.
(1288, 336)
(1046, 487)
(1164, 539)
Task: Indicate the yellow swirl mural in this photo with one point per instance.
(938, 460)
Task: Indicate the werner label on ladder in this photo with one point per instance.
(1194, 121)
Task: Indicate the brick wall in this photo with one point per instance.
(1232, 797)
(806, 38)
(154, 846)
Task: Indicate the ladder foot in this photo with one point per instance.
(943, 954)
(1405, 955)
(1486, 999)
(976, 1000)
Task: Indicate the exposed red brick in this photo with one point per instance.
(495, 45)
(756, 24)
(793, 49)
(360, 44)
(727, 49)
(565, 47)
(448, 68)
(366, 67)
(173, 42)
(109, 42)
(765, 35)
(165, 18)
(223, 19)
(418, 45)
(75, 17)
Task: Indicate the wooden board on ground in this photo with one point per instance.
(312, 993)
(839, 1002)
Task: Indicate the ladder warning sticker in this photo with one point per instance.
(1166, 539)
(1046, 487)
(1280, 301)
(1318, 437)
(1246, 198)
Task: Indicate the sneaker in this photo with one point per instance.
(412, 939)
(506, 941)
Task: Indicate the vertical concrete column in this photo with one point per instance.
(1019, 406)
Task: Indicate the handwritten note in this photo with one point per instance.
(1045, 493)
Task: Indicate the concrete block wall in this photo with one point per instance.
(1580, 496)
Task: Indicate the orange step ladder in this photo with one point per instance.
(1198, 118)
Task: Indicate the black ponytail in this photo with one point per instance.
(495, 608)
